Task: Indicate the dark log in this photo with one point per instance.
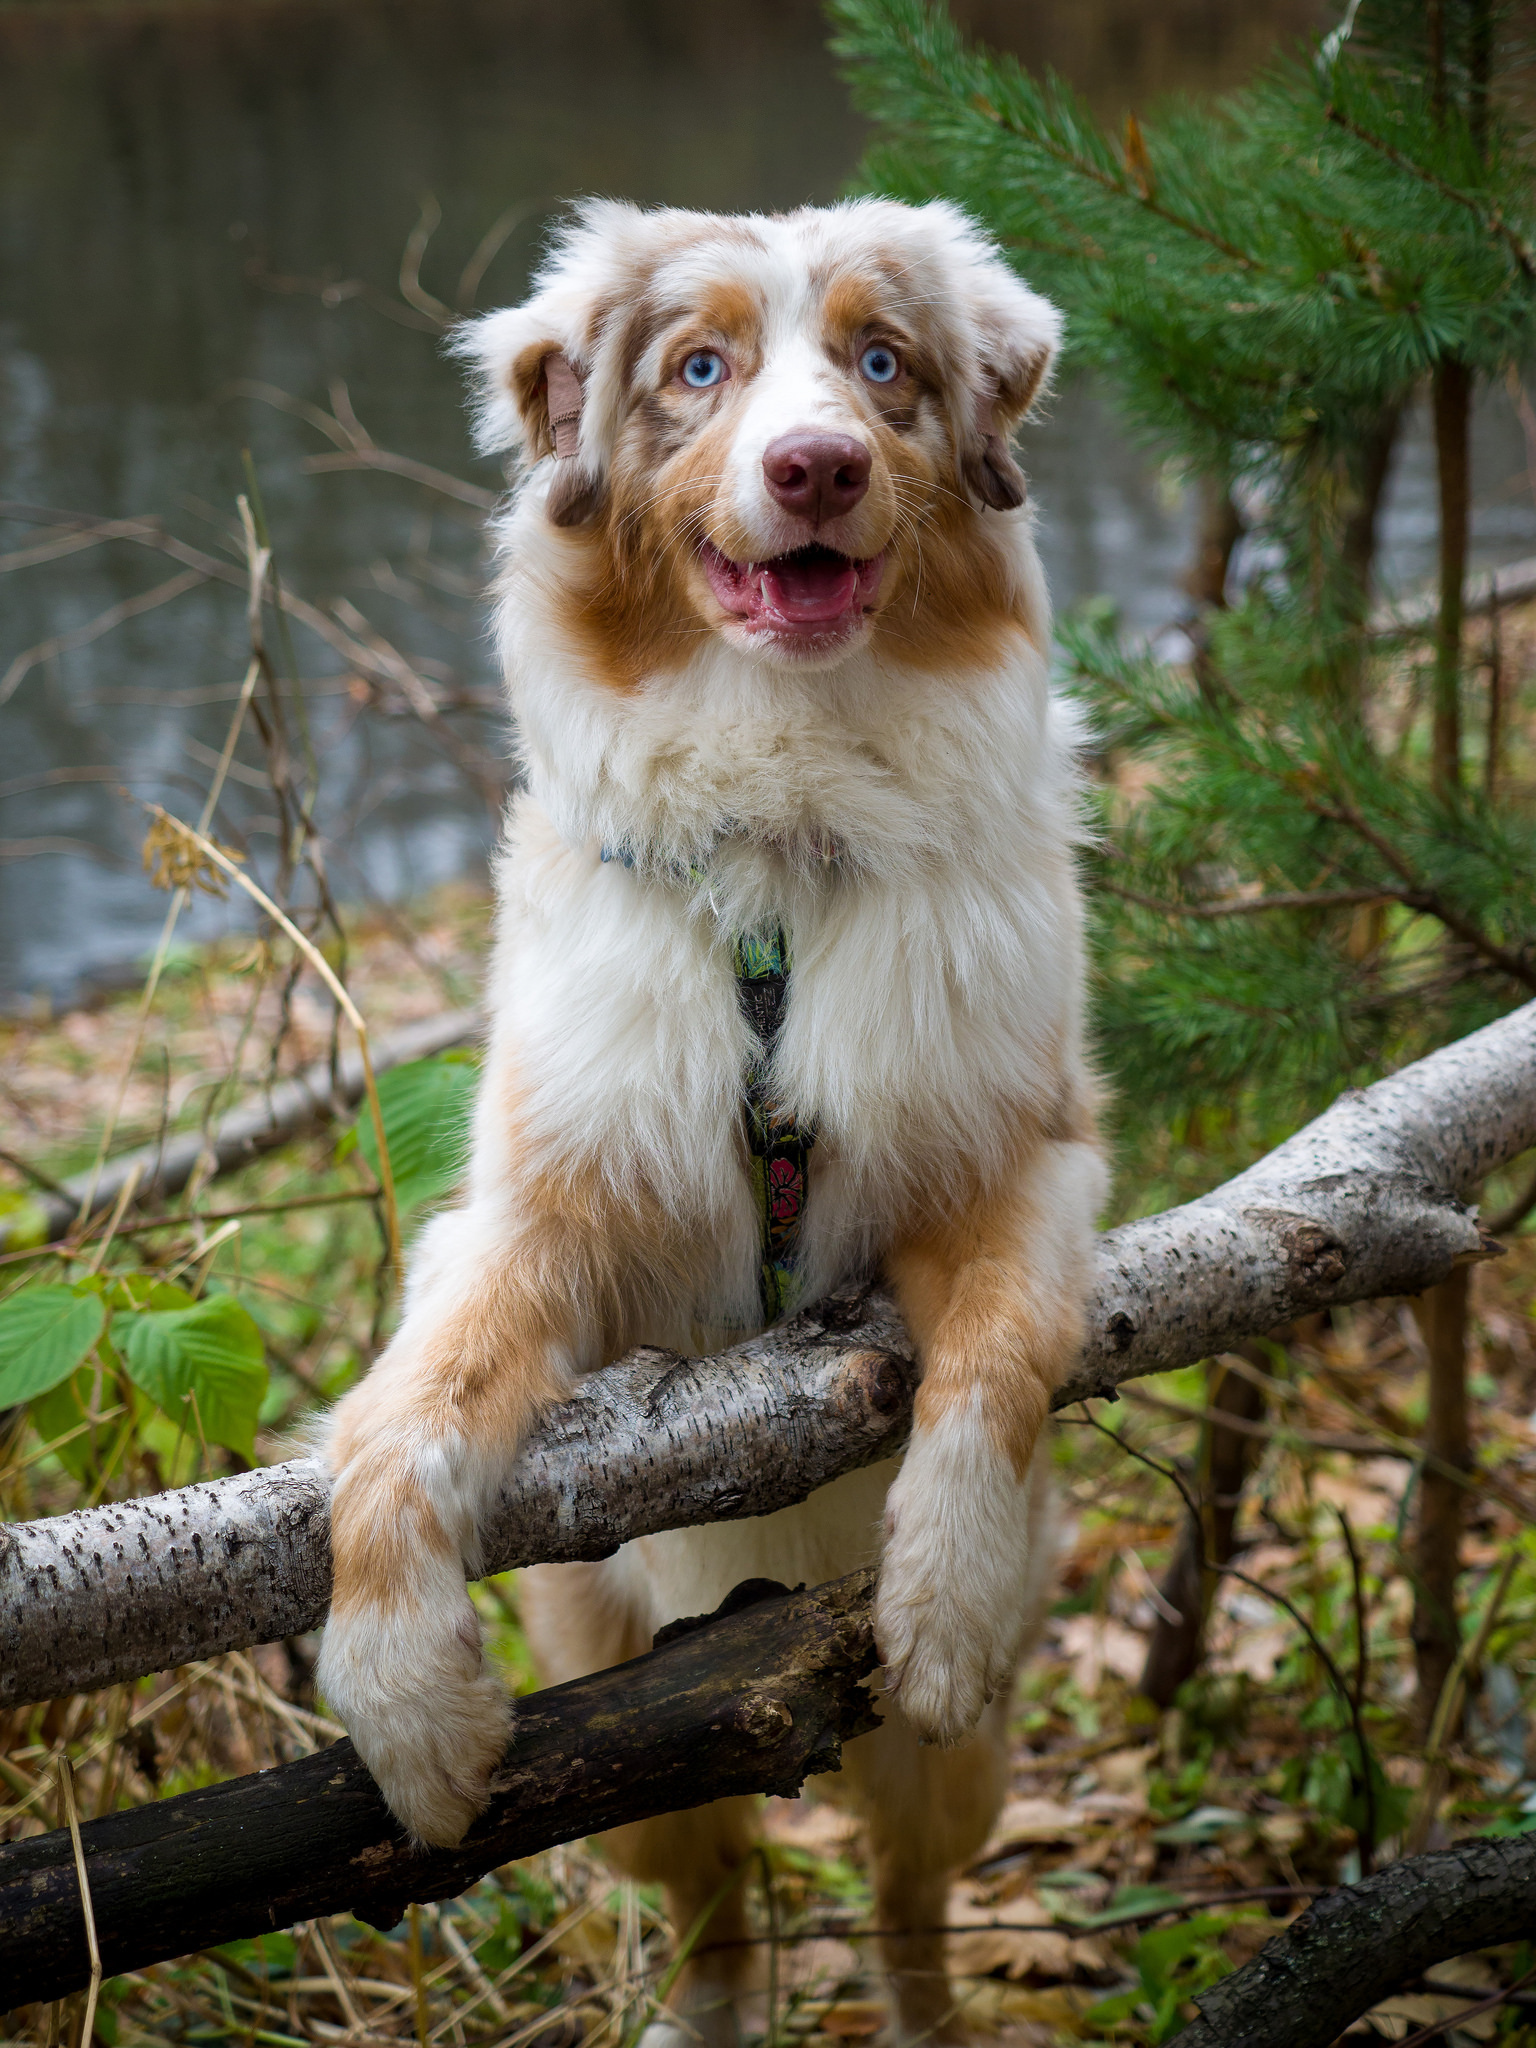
(1358, 1945)
(1367, 1200)
(755, 1698)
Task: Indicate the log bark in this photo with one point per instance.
(273, 1117)
(1368, 1200)
(1358, 1945)
(745, 1701)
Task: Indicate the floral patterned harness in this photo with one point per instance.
(778, 1148)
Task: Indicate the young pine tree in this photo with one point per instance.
(1312, 865)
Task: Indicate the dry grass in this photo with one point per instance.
(1119, 1818)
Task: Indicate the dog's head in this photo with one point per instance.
(788, 431)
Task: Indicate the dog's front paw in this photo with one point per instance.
(426, 1717)
(944, 1654)
(956, 1578)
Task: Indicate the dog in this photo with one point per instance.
(788, 987)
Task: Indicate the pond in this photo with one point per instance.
(203, 209)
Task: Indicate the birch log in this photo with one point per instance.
(1368, 1200)
(274, 1116)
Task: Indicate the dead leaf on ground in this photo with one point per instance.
(853, 2019)
(1125, 1770)
(989, 2005)
(815, 1825)
(1028, 1823)
(1396, 2018)
(1015, 1952)
(1094, 1643)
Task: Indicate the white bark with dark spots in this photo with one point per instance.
(1368, 1200)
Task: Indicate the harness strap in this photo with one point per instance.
(778, 1148)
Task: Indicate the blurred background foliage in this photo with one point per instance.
(1302, 291)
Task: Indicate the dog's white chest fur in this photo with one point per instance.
(914, 843)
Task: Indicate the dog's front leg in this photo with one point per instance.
(492, 1335)
(994, 1299)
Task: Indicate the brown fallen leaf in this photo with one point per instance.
(1027, 1823)
(988, 2005)
(853, 2019)
(1396, 2018)
(1014, 1951)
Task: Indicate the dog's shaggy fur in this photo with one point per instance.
(809, 691)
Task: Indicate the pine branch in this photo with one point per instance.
(1420, 896)
(1493, 224)
(1253, 906)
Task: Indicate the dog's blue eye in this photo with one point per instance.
(879, 364)
(704, 368)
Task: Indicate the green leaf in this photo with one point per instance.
(212, 1349)
(26, 1220)
(1203, 1825)
(1133, 1899)
(426, 1109)
(45, 1331)
(62, 1411)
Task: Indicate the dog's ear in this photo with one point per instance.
(986, 460)
(530, 394)
(1016, 336)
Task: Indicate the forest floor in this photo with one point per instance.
(1141, 1852)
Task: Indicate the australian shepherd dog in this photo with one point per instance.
(787, 988)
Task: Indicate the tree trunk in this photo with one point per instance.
(1452, 408)
(753, 1701)
(1219, 530)
(1442, 1316)
(1366, 1201)
(1226, 1455)
(1358, 548)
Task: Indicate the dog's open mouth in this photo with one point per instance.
(810, 594)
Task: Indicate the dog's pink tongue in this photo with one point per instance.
(810, 590)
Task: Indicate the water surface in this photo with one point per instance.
(203, 197)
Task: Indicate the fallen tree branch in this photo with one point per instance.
(1366, 1201)
(753, 1701)
(1488, 592)
(1356, 1946)
(273, 1117)
(653, 1443)
(756, 1698)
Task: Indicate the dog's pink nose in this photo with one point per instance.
(819, 476)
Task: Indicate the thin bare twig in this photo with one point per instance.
(219, 859)
(104, 622)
